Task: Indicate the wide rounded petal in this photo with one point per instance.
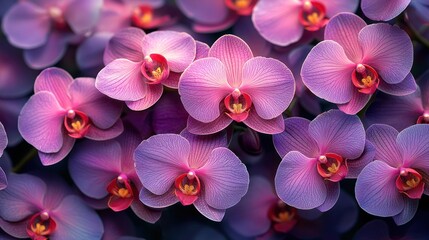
(344, 29)
(410, 209)
(202, 86)
(3, 179)
(48, 159)
(298, 183)
(204, 11)
(126, 43)
(356, 103)
(209, 212)
(405, 87)
(383, 137)
(414, 146)
(376, 191)
(225, 179)
(158, 201)
(98, 134)
(122, 79)
(56, 81)
(332, 195)
(82, 16)
(295, 137)
(145, 213)
(3, 139)
(26, 25)
(196, 127)
(327, 72)
(233, 52)
(355, 166)
(278, 21)
(178, 48)
(381, 10)
(153, 94)
(270, 84)
(267, 126)
(75, 220)
(337, 132)
(41, 121)
(160, 160)
(388, 49)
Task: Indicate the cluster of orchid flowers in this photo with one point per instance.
(160, 114)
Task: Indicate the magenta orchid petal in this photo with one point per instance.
(75, 220)
(49, 53)
(357, 103)
(267, 126)
(160, 159)
(204, 11)
(178, 48)
(337, 132)
(332, 195)
(126, 43)
(173, 80)
(406, 87)
(143, 212)
(278, 21)
(52, 158)
(382, 10)
(355, 166)
(99, 134)
(337, 6)
(202, 86)
(24, 18)
(196, 127)
(42, 110)
(23, 196)
(270, 85)
(153, 94)
(14, 229)
(56, 81)
(410, 209)
(233, 52)
(209, 212)
(295, 138)
(158, 201)
(344, 29)
(202, 50)
(328, 60)
(97, 163)
(376, 191)
(122, 79)
(413, 144)
(202, 146)
(298, 183)
(383, 137)
(82, 16)
(388, 49)
(225, 179)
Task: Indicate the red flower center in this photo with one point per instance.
(155, 68)
(313, 15)
(58, 19)
(241, 7)
(76, 123)
(423, 119)
(187, 187)
(332, 167)
(238, 105)
(410, 182)
(40, 226)
(283, 216)
(142, 16)
(365, 79)
(121, 191)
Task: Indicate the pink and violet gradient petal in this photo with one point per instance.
(98, 134)
(172, 81)
(327, 72)
(122, 79)
(26, 25)
(298, 183)
(126, 43)
(3, 179)
(278, 21)
(158, 201)
(41, 121)
(406, 87)
(344, 29)
(339, 133)
(388, 49)
(52, 158)
(23, 196)
(413, 144)
(56, 81)
(410, 209)
(267, 126)
(332, 195)
(75, 220)
(233, 52)
(202, 146)
(225, 179)
(153, 94)
(357, 103)
(93, 165)
(207, 211)
(14, 229)
(82, 16)
(145, 213)
(57, 189)
(355, 166)
(3, 139)
(160, 160)
(178, 48)
(337, 6)
(204, 11)
(383, 137)
(196, 127)
(376, 191)
(129, 140)
(270, 85)
(202, 50)
(383, 10)
(296, 138)
(202, 87)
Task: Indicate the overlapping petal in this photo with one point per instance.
(383, 137)
(126, 43)
(381, 10)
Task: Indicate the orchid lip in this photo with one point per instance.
(332, 167)
(187, 187)
(365, 78)
(241, 7)
(76, 123)
(238, 105)
(423, 119)
(40, 226)
(155, 68)
(313, 15)
(410, 182)
(282, 216)
(122, 192)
